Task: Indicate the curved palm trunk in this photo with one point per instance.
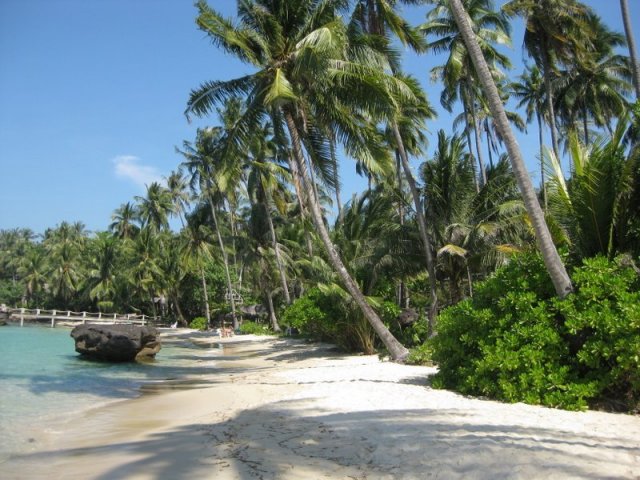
(403, 294)
(396, 349)
(633, 54)
(555, 267)
(181, 318)
(225, 260)
(422, 226)
(276, 248)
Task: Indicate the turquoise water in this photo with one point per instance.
(44, 383)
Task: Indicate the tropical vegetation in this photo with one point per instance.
(516, 291)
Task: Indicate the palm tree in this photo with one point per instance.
(124, 221)
(101, 279)
(32, 268)
(595, 86)
(555, 32)
(196, 251)
(379, 20)
(205, 165)
(457, 74)
(178, 188)
(298, 48)
(265, 183)
(631, 43)
(530, 90)
(155, 208)
(552, 260)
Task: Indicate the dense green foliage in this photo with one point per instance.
(515, 341)
(255, 328)
(198, 323)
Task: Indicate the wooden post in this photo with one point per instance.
(99, 315)
(53, 317)
(21, 317)
(84, 317)
(143, 319)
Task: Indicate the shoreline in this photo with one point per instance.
(281, 408)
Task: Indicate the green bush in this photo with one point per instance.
(421, 355)
(328, 315)
(198, 323)
(515, 341)
(253, 328)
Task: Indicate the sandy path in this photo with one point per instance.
(280, 409)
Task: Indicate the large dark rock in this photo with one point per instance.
(116, 343)
(408, 317)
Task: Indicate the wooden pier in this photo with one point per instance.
(69, 317)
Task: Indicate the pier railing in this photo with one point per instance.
(68, 316)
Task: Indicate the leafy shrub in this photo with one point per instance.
(253, 328)
(330, 315)
(515, 341)
(421, 355)
(198, 323)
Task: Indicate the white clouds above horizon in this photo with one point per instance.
(128, 167)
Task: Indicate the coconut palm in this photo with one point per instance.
(32, 268)
(553, 263)
(594, 88)
(102, 276)
(531, 93)
(154, 208)
(205, 164)
(457, 74)
(555, 31)
(124, 221)
(304, 70)
(178, 187)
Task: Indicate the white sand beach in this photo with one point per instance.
(284, 409)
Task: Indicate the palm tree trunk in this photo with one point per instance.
(546, 65)
(397, 351)
(276, 248)
(633, 54)
(272, 312)
(585, 124)
(205, 294)
(300, 197)
(334, 158)
(552, 260)
(422, 226)
(476, 134)
(181, 319)
(543, 183)
(467, 132)
(403, 300)
(225, 260)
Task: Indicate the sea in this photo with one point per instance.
(44, 383)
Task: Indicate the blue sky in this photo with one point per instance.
(92, 95)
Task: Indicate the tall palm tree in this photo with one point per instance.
(124, 220)
(379, 20)
(154, 208)
(178, 187)
(298, 48)
(594, 88)
(491, 29)
(531, 93)
(204, 162)
(101, 280)
(631, 43)
(32, 268)
(555, 32)
(552, 260)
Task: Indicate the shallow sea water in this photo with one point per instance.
(45, 383)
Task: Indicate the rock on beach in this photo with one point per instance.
(116, 343)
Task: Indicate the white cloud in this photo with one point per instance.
(130, 168)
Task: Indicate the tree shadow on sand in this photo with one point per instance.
(287, 440)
